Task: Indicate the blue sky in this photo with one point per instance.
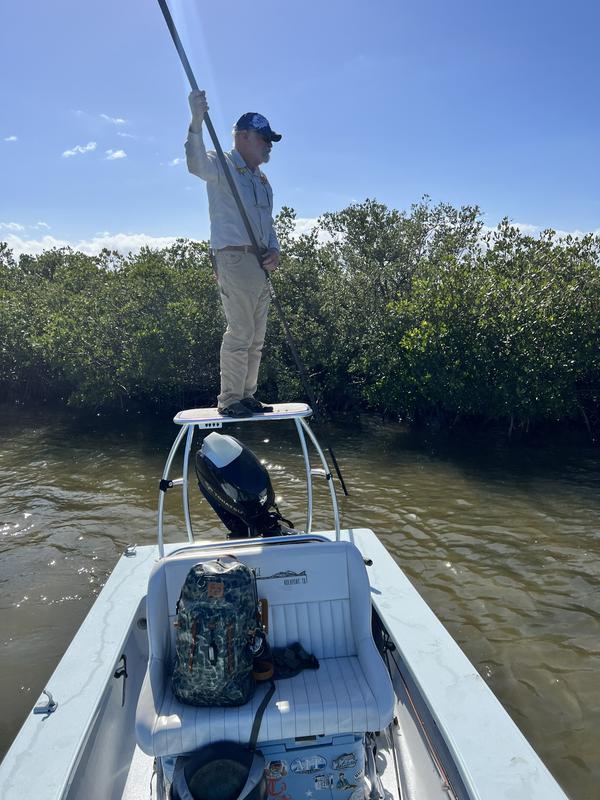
(470, 102)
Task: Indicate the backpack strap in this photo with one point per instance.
(255, 775)
(259, 715)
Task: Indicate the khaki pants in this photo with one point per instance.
(245, 297)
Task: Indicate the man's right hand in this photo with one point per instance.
(270, 260)
(199, 107)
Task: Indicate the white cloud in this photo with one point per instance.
(126, 135)
(174, 162)
(123, 242)
(80, 148)
(525, 228)
(535, 230)
(114, 120)
(11, 139)
(16, 226)
(305, 225)
(577, 234)
(112, 155)
(522, 227)
(11, 226)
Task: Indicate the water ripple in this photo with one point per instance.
(501, 540)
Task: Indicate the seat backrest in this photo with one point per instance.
(317, 592)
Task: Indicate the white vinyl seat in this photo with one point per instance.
(318, 594)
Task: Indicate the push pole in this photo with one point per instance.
(248, 225)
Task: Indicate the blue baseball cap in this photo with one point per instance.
(251, 121)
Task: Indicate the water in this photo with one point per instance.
(502, 539)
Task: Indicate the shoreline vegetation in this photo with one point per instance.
(424, 315)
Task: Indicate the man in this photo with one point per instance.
(242, 280)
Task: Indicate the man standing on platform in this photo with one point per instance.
(242, 280)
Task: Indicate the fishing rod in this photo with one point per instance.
(249, 229)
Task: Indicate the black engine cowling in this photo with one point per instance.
(237, 487)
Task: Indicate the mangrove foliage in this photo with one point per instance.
(424, 315)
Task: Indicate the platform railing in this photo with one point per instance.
(209, 418)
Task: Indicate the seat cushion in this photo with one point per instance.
(336, 698)
(319, 595)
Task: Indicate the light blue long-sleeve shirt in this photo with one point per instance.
(226, 225)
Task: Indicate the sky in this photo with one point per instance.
(470, 102)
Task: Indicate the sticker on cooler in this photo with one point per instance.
(344, 783)
(304, 766)
(276, 787)
(323, 781)
(277, 769)
(345, 761)
(275, 772)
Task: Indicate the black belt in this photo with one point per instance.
(239, 248)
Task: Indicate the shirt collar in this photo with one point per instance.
(238, 160)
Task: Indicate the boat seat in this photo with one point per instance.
(318, 594)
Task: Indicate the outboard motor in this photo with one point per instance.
(238, 488)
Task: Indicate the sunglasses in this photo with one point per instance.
(264, 137)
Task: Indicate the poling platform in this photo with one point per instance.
(210, 417)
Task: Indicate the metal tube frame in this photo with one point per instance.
(188, 431)
(328, 475)
(309, 492)
(186, 488)
(161, 492)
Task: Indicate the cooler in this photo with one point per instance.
(317, 768)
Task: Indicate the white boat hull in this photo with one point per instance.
(451, 736)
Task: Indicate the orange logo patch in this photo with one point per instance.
(215, 589)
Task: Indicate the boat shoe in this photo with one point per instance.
(254, 405)
(236, 409)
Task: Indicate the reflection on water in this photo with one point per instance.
(501, 539)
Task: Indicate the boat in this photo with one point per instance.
(395, 710)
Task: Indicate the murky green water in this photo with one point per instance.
(502, 540)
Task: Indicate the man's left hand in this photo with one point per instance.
(270, 260)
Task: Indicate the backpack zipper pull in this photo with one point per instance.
(212, 646)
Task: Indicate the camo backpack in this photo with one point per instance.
(218, 633)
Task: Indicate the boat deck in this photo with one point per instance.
(140, 778)
(433, 679)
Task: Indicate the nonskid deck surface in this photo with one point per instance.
(141, 780)
(210, 417)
